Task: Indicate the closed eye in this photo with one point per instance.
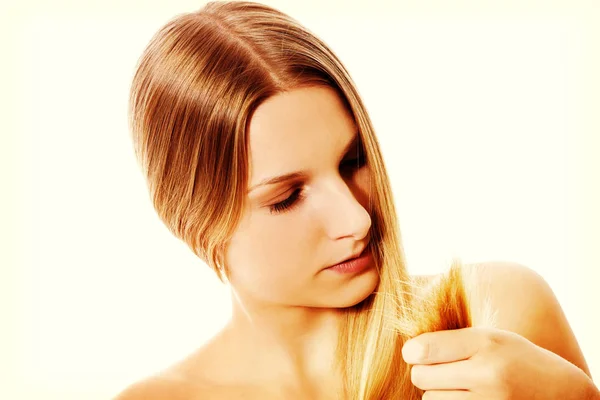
(288, 203)
(356, 162)
(351, 164)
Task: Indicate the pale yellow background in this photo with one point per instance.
(487, 113)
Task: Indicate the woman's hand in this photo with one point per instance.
(486, 363)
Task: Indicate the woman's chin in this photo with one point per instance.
(349, 292)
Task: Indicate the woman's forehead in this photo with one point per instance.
(293, 128)
(289, 114)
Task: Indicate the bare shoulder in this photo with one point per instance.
(154, 388)
(523, 302)
(517, 295)
(188, 378)
(170, 385)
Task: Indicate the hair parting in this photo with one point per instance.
(195, 88)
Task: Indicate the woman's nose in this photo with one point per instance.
(344, 213)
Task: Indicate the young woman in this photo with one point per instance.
(259, 154)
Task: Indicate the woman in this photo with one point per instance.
(260, 155)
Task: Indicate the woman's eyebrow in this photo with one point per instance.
(282, 178)
(298, 175)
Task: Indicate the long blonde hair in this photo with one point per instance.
(195, 88)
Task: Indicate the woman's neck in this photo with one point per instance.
(284, 343)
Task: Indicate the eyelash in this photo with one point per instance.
(288, 203)
(297, 196)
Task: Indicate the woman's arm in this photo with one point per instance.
(525, 304)
(529, 351)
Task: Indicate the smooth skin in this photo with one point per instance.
(531, 354)
(281, 338)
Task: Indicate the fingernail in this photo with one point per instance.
(412, 351)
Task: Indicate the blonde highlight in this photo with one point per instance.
(193, 94)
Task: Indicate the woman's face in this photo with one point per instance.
(292, 230)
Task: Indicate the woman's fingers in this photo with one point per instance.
(448, 395)
(459, 375)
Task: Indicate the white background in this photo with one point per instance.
(487, 114)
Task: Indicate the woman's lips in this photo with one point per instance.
(354, 265)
